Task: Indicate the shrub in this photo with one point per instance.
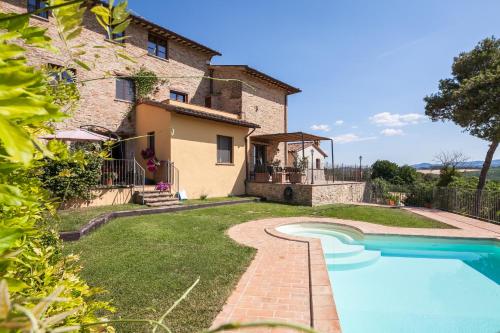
(73, 177)
(384, 169)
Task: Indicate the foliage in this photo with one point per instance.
(43, 287)
(446, 176)
(406, 175)
(470, 183)
(419, 194)
(301, 163)
(74, 176)
(384, 169)
(470, 98)
(146, 82)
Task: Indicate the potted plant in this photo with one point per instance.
(278, 175)
(261, 174)
(297, 174)
(163, 187)
(109, 177)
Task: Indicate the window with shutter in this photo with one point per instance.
(224, 149)
(125, 90)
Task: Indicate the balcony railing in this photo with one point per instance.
(122, 173)
(310, 175)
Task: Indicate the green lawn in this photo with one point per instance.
(147, 262)
(73, 219)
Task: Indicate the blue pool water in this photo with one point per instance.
(389, 284)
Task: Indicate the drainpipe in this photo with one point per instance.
(246, 155)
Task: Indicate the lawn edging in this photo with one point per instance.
(102, 219)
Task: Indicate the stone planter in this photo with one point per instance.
(297, 177)
(279, 177)
(261, 177)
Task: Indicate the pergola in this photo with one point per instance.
(293, 137)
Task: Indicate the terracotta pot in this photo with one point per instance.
(279, 177)
(428, 205)
(392, 203)
(109, 182)
(261, 177)
(297, 177)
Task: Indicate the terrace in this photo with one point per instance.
(302, 178)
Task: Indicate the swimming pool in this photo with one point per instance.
(386, 284)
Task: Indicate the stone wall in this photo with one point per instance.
(103, 197)
(98, 105)
(309, 195)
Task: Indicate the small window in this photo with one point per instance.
(151, 141)
(157, 47)
(34, 5)
(318, 163)
(59, 74)
(178, 96)
(224, 149)
(125, 90)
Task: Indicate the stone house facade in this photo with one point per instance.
(237, 90)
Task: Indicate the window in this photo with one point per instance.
(208, 101)
(34, 5)
(125, 90)
(157, 47)
(318, 163)
(59, 74)
(151, 141)
(178, 96)
(224, 149)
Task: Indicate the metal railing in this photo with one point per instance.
(484, 205)
(168, 173)
(122, 173)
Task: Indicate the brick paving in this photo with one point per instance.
(288, 279)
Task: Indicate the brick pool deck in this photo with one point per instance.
(288, 279)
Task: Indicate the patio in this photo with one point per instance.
(300, 178)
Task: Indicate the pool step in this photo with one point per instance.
(358, 260)
(342, 250)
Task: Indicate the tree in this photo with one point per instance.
(471, 98)
(384, 169)
(449, 162)
(407, 174)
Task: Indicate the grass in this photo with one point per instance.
(74, 219)
(147, 262)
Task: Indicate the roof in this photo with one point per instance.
(77, 135)
(296, 147)
(169, 34)
(289, 137)
(253, 72)
(200, 114)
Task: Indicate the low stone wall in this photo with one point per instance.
(104, 197)
(309, 195)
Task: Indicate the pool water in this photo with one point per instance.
(394, 284)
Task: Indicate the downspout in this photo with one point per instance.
(246, 154)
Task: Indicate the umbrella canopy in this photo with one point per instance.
(77, 135)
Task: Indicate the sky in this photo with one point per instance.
(364, 66)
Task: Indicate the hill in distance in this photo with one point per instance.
(464, 165)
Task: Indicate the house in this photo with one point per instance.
(297, 151)
(201, 130)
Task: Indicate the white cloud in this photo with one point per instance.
(320, 127)
(355, 126)
(392, 132)
(351, 137)
(339, 122)
(395, 119)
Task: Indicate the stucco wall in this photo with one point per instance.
(98, 105)
(104, 197)
(153, 119)
(309, 195)
(194, 152)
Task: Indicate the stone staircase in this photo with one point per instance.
(153, 198)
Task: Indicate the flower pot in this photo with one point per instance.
(392, 203)
(297, 177)
(279, 177)
(109, 182)
(428, 205)
(261, 177)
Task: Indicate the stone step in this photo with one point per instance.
(155, 195)
(160, 199)
(153, 192)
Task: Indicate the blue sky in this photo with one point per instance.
(363, 66)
